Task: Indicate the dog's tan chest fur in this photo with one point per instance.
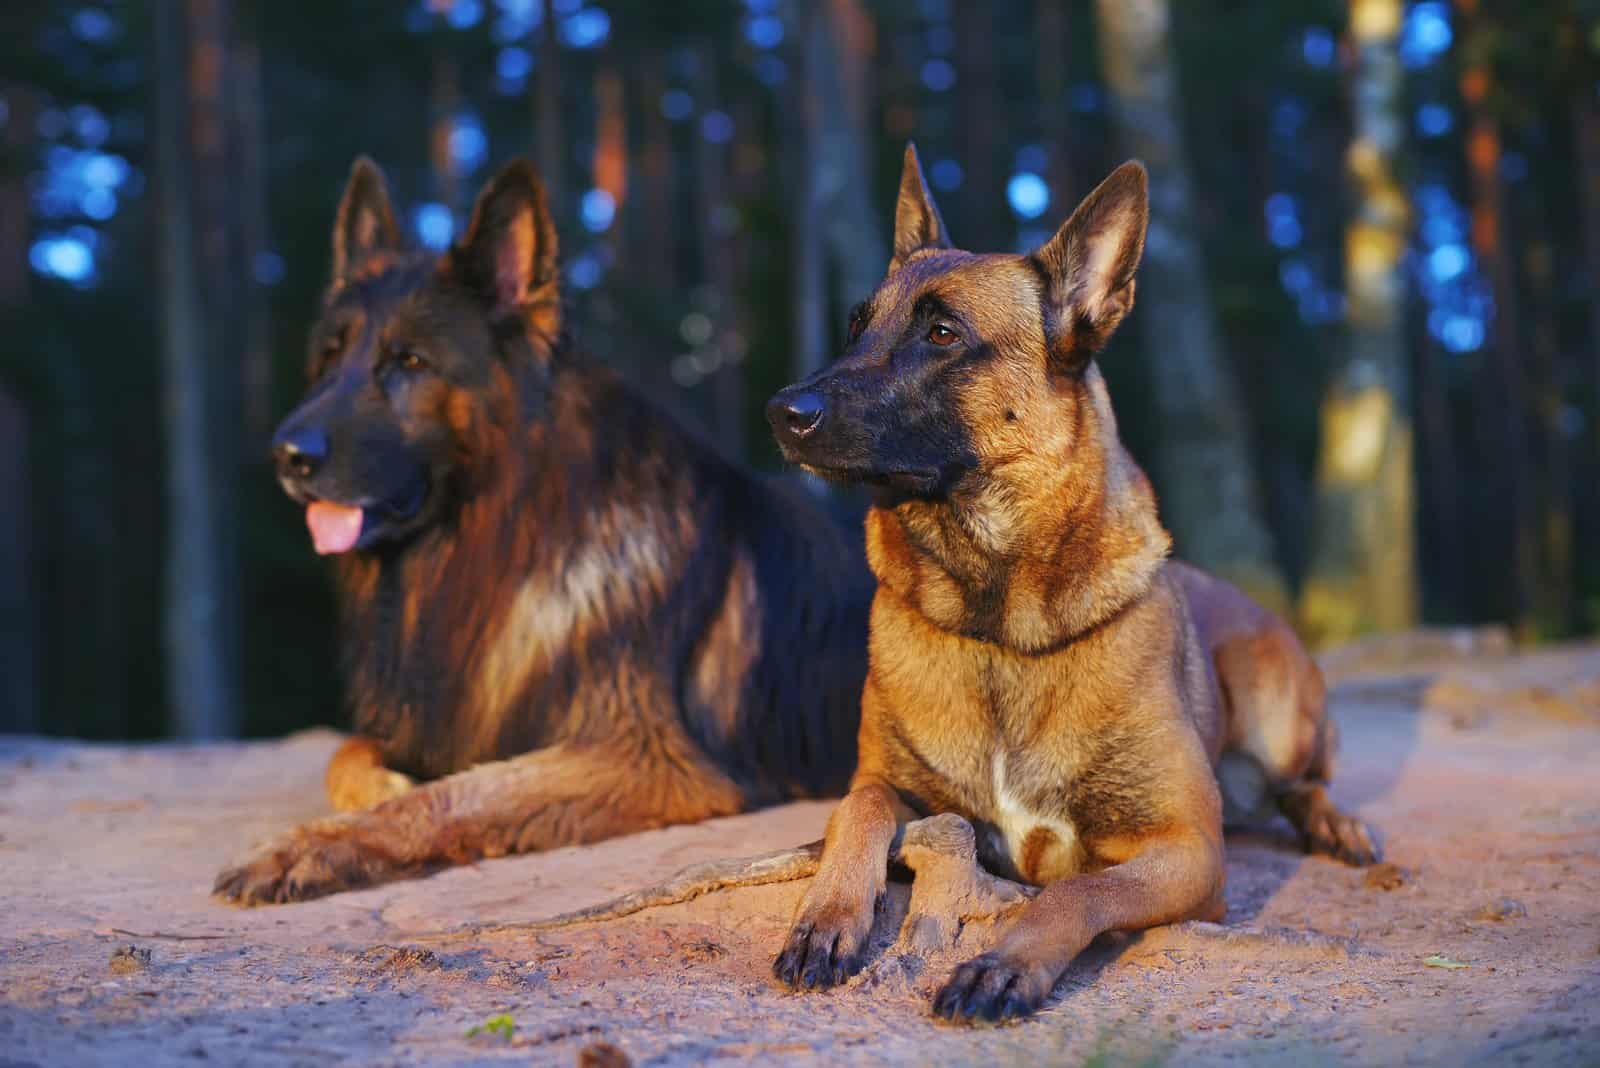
(1050, 756)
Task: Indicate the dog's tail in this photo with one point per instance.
(779, 866)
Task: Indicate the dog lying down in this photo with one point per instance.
(1046, 690)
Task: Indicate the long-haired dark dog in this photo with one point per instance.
(566, 617)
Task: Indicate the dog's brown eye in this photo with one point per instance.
(858, 322)
(942, 335)
(407, 360)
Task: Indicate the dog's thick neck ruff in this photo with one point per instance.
(1034, 553)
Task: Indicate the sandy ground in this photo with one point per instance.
(1481, 773)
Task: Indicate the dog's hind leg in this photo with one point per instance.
(357, 779)
(1277, 714)
(552, 797)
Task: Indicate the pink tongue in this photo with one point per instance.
(335, 528)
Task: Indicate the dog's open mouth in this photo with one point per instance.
(339, 528)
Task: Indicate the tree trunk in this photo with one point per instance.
(255, 319)
(1049, 72)
(444, 97)
(19, 696)
(191, 162)
(1503, 391)
(1553, 472)
(839, 50)
(1441, 523)
(19, 699)
(986, 223)
(1202, 464)
(716, 264)
(1362, 575)
(1586, 137)
(806, 118)
(551, 138)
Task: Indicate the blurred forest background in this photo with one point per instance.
(1364, 371)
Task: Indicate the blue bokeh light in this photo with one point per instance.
(676, 105)
(93, 25)
(585, 271)
(717, 127)
(588, 28)
(1434, 120)
(1296, 276)
(764, 31)
(1283, 221)
(939, 75)
(90, 126)
(1317, 46)
(98, 203)
(1426, 34)
(469, 146)
(64, 256)
(1447, 262)
(434, 226)
(597, 209)
(513, 64)
(464, 14)
(946, 175)
(1028, 194)
(268, 268)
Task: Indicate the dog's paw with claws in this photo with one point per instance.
(1331, 833)
(297, 867)
(825, 947)
(990, 989)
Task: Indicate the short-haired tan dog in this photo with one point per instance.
(1037, 665)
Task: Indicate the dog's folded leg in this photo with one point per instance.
(357, 779)
(544, 799)
(1178, 877)
(951, 889)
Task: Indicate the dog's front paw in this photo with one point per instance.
(298, 867)
(991, 988)
(1346, 838)
(826, 946)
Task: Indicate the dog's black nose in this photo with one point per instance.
(300, 451)
(796, 415)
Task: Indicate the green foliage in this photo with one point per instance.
(501, 1027)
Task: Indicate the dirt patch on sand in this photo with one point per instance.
(1478, 943)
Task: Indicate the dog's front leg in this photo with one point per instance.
(1177, 877)
(831, 925)
(548, 798)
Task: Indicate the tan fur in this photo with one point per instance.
(1036, 665)
(356, 778)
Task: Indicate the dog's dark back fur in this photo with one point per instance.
(585, 571)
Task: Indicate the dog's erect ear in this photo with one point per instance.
(1089, 265)
(916, 217)
(365, 223)
(509, 251)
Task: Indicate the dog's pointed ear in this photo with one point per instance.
(365, 223)
(917, 223)
(509, 251)
(1089, 265)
